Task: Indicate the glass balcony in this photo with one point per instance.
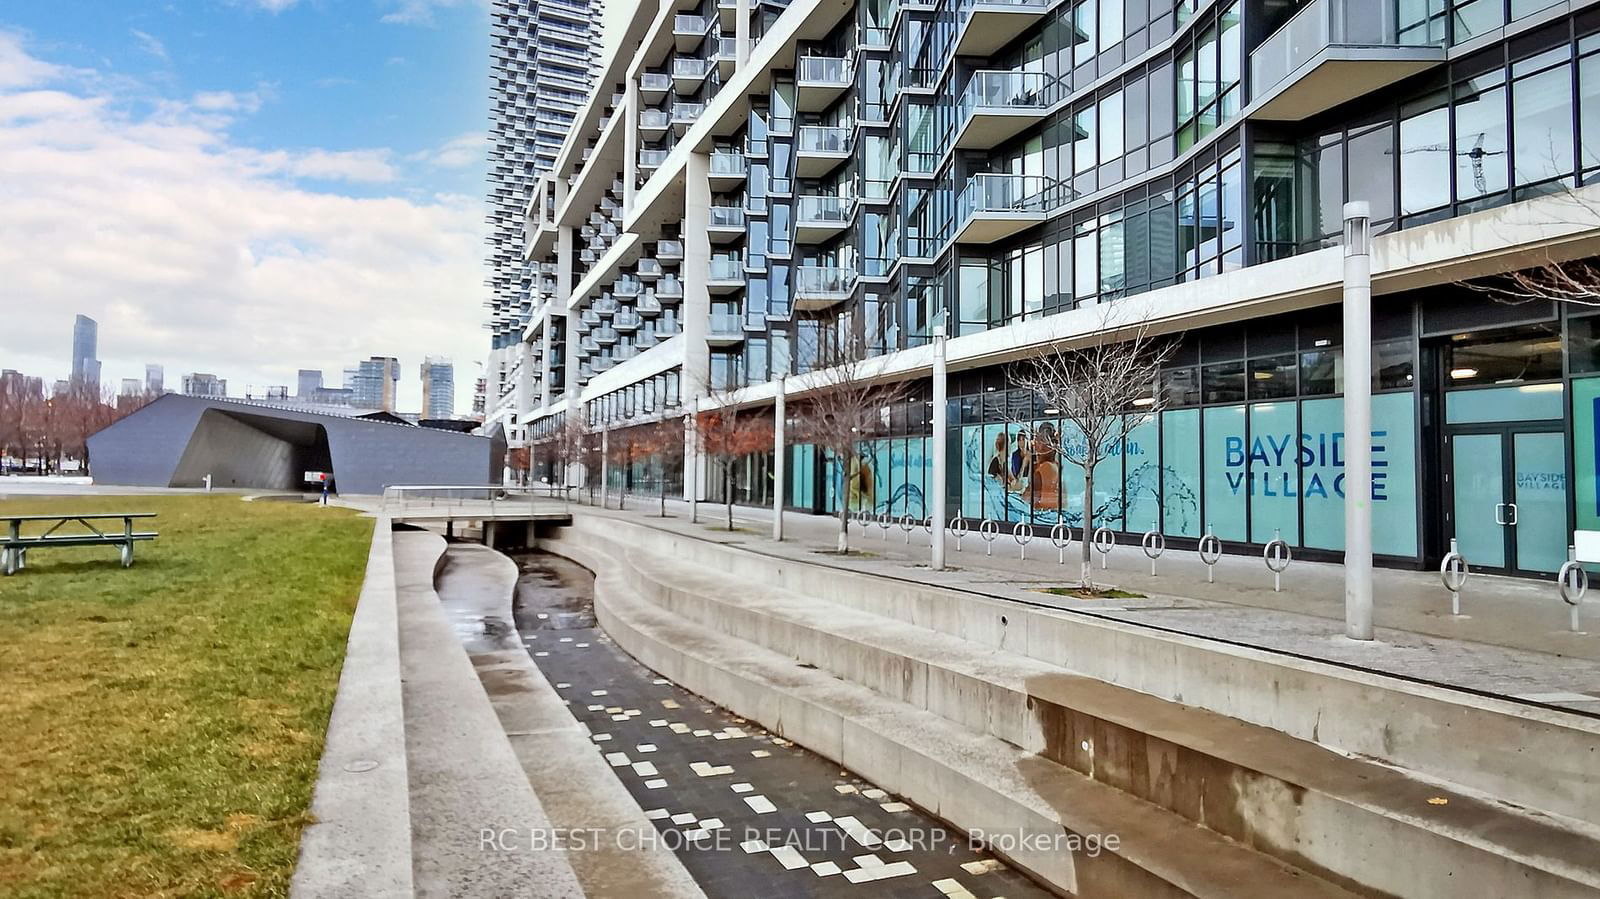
(670, 290)
(654, 121)
(606, 336)
(605, 305)
(995, 206)
(1333, 51)
(724, 329)
(817, 287)
(728, 169)
(627, 287)
(686, 114)
(688, 31)
(997, 105)
(648, 269)
(819, 80)
(650, 160)
(654, 85)
(626, 320)
(819, 149)
(648, 305)
(728, 15)
(725, 276)
(669, 249)
(984, 26)
(727, 55)
(819, 218)
(725, 223)
(590, 316)
(688, 72)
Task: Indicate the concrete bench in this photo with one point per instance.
(14, 545)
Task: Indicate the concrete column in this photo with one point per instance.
(779, 457)
(544, 356)
(936, 489)
(696, 308)
(741, 33)
(1357, 421)
(630, 144)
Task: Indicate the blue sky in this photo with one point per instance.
(243, 187)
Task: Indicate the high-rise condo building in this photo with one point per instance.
(1028, 176)
(542, 59)
(85, 341)
(374, 383)
(438, 388)
(307, 383)
(203, 384)
(154, 379)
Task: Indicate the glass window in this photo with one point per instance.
(1083, 145)
(1111, 135)
(1272, 377)
(1542, 105)
(1181, 386)
(1372, 171)
(1424, 155)
(1480, 140)
(1321, 372)
(1110, 23)
(1085, 267)
(1223, 382)
(1589, 108)
(1083, 32)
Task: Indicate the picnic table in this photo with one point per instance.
(14, 545)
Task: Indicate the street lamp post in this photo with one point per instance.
(605, 465)
(937, 511)
(1358, 421)
(778, 466)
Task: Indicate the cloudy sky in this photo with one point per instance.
(244, 187)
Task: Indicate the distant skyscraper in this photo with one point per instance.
(203, 384)
(438, 388)
(155, 380)
(374, 382)
(85, 342)
(131, 387)
(542, 59)
(309, 383)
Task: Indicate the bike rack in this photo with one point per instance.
(1453, 573)
(989, 530)
(908, 524)
(1574, 581)
(1210, 549)
(1104, 541)
(1061, 536)
(927, 525)
(1277, 555)
(1023, 535)
(958, 526)
(1153, 545)
(885, 521)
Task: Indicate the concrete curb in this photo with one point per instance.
(360, 843)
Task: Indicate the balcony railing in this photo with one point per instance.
(627, 320)
(670, 290)
(726, 163)
(824, 139)
(627, 288)
(655, 82)
(966, 8)
(687, 113)
(1329, 23)
(725, 324)
(689, 67)
(726, 217)
(822, 284)
(689, 25)
(654, 119)
(669, 249)
(1011, 91)
(823, 71)
(652, 159)
(814, 210)
(724, 269)
(648, 268)
(998, 192)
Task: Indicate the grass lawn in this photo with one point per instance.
(160, 726)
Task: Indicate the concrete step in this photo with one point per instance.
(1366, 825)
(1032, 807)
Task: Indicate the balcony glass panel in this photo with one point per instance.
(823, 70)
(964, 8)
(682, 24)
(823, 280)
(824, 139)
(727, 217)
(1007, 90)
(1009, 193)
(669, 249)
(728, 163)
(687, 112)
(652, 159)
(653, 118)
(824, 210)
(649, 267)
(1326, 23)
(687, 67)
(726, 323)
(727, 270)
(655, 81)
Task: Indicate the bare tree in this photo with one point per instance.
(1100, 390)
(726, 434)
(662, 441)
(567, 447)
(849, 404)
(1561, 281)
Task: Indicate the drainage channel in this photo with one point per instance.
(747, 812)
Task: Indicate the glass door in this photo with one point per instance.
(1509, 500)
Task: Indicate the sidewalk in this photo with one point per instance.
(1512, 640)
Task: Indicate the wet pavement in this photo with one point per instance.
(747, 812)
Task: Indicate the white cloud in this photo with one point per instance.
(274, 6)
(151, 44)
(459, 152)
(200, 253)
(420, 12)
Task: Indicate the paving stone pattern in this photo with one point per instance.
(749, 813)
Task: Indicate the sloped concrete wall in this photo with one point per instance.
(236, 455)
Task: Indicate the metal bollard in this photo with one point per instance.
(1061, 536)
(1574, 582)
(1023, 535)
(1210, 549)
(908, 524)
(1104, 541)
(1277, 555)
(989, 530)
(885, 521)
(1453, 573)
(1153, 545)
(958, 526)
